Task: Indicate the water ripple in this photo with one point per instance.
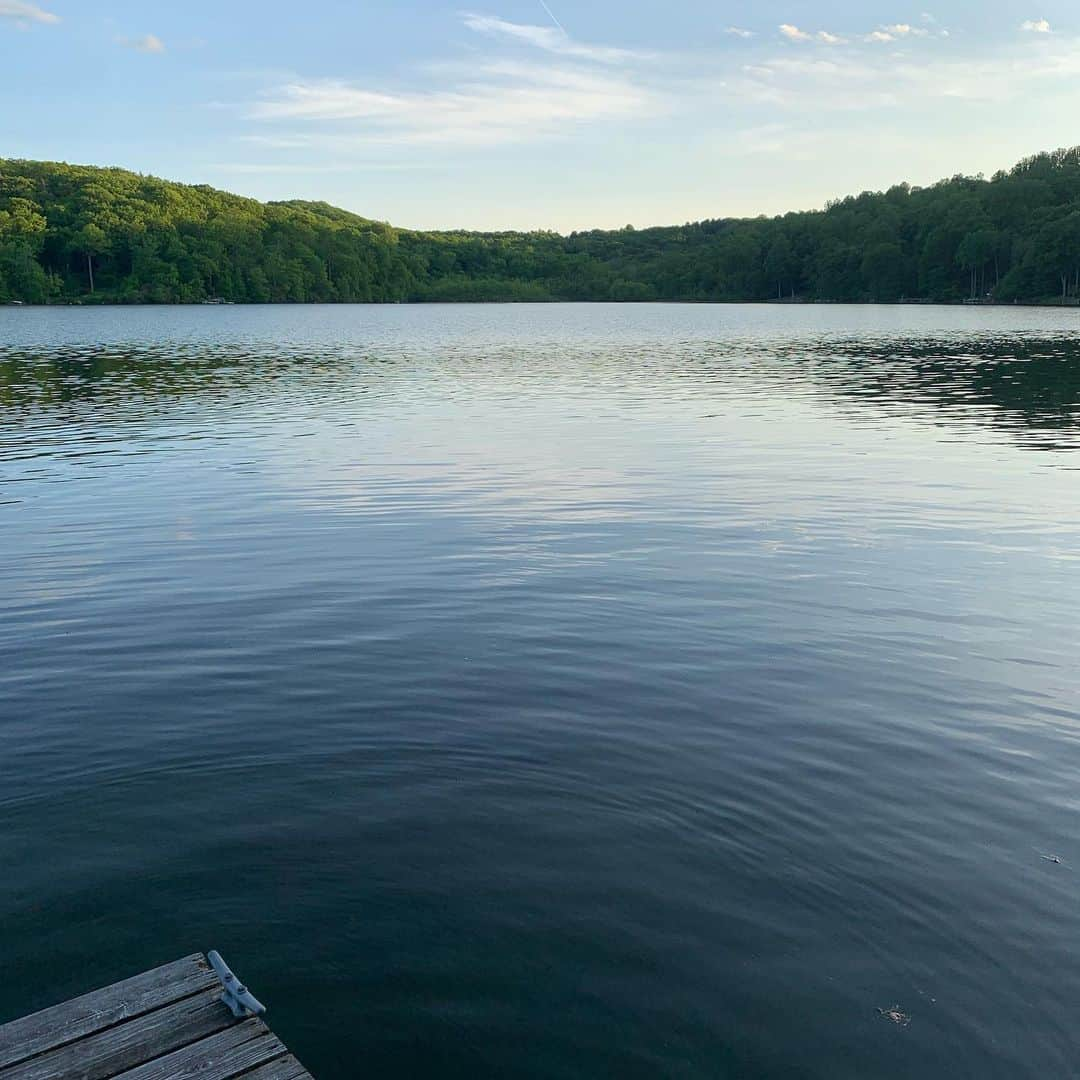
(566, 691)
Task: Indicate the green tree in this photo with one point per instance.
(780, 265)
(68, 230)
(90, 242)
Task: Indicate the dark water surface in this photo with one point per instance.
(558, 691)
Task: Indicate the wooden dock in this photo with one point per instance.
(167, 1024)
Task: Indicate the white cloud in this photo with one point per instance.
(26, 13)
(549, 38)
(895, 31)
(499, 101)
(738, 31)
(852, 82)
(793, 33)
(1036, 26)
(148, 43)
(499, 95)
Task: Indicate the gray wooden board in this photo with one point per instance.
(166, 1024)
(227, 1054)
(105, 1053)
(284, 1068)
(60, 1024)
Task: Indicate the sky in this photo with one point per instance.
(540, 114)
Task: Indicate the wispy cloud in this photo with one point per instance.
(1036, 26)
(897, 31)
(26, 13)
(551, 39)
(793, 33)
(738, 31)
(501, 101)
(504, 98)
(148, 43)
(906, 30)
(889, 32)
(849, 81)
(525, 83)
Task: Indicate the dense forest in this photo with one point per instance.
(81, 234)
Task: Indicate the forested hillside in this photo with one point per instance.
(75, 233)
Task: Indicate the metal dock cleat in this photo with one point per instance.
(241, 1001)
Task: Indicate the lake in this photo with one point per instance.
(552, 691)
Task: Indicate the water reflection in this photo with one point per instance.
(568, 691)
(1024, 385)
(1028, 386)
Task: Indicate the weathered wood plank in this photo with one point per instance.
(130, 1043)
(286, 1068)
(75, 1019)
(227, 1054)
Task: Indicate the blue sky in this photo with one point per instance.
(526, 114)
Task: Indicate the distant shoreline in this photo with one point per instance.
(79, 235)
(1072, 304)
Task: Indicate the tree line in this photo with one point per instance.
(82, 234)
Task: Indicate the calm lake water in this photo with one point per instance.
(556, 691)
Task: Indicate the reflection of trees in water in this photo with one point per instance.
(1026, 385)
(99, 376)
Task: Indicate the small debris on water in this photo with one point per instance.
(895, 1015)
